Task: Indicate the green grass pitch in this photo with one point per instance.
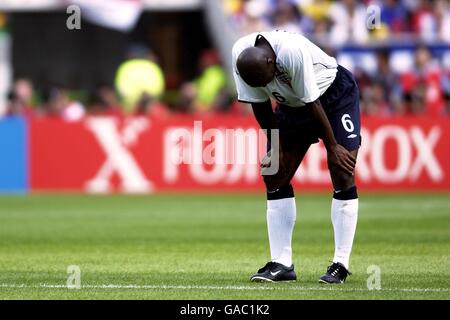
(179, 246)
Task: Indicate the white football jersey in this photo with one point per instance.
(304, 71)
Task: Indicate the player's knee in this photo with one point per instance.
(341, 179)
(276, 181)
(347, 181)
(283, 192)
(346, 194)
(272, 182)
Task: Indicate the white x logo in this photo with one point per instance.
(426, 159)
(118, 158)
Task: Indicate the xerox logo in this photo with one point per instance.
(415, 149)
(390, 154)
(103, 154)
(118, 159)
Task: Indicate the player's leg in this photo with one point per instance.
(281, 216)
(345, 122)
(344, 217)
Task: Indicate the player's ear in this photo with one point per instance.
(270, 61)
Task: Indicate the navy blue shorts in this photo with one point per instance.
(341, 104)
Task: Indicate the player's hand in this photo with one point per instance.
(266, 162)
(274, 175)
(338, 156)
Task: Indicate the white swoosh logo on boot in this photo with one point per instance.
(275, 273)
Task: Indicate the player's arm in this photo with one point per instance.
(266, 119)
(264, 114)
(337, 154)
(299, 61)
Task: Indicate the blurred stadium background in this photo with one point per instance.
(169, 61)
(96, 110)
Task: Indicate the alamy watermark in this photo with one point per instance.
(374, 279)
(73, 22)
(221, 147)
(373, 17)
(74, 278)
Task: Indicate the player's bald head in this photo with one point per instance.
(256, 66)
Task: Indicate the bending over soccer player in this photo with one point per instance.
(316, 98)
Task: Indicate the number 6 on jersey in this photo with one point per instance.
(347, 123)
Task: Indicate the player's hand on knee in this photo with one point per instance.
(267, 163)
(340, 157)
(274, 175)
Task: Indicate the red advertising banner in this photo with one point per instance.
(217, 152)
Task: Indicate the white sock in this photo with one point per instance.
(281, 215)
(344, 215)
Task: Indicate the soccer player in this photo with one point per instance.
(316, 98)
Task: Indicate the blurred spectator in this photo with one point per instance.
(3, 21)
(321, 29)
(209, 90)
(373, 100)
(148, 106)
(422, 85)
(349, 22)
(445, 81)
(393, 15)
(104, 101)
(286, 16)
(5, 93)
(253, 19)
(138, 75)
(187, 96)
(389, 83)
(442, 10)
(316, 9)
(20, 99)
(424, 21)
(56, 103)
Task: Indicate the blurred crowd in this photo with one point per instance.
(399, 51)
(139, 88)
(392, 80)
(423, 89)
(342, 21)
